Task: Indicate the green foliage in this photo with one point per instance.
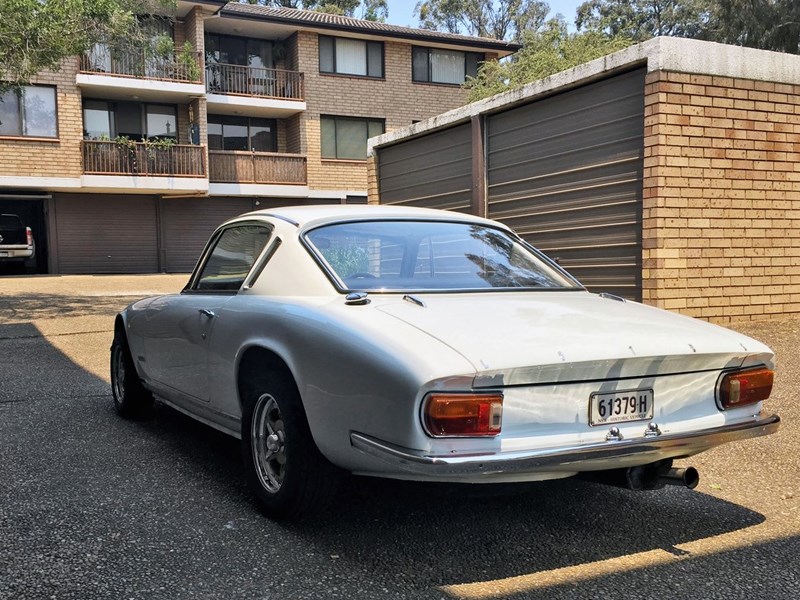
(765, 24)
(38, 34)
(187, 58)
(640, 20)
(347, 260)
(547, 51)
(501, 19)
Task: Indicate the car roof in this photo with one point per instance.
(304, 216)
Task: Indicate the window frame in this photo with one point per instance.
(248, 281)
(21, 114)
(366, 120)
(273, 123)
(366, 43)
(428, 50)
(113, 113)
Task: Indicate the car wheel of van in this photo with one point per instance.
(290, 477)
(131, 399)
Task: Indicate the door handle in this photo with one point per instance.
(206, 312)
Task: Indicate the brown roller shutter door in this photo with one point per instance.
(433, 171)
(566, 173)
(106, 234)
(187, 223)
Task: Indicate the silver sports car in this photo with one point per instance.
(419, 344)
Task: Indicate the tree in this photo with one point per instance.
(547, 51)
(371, 10)
(765, 24)
(640, 20)
(36, 35)
(500, 19)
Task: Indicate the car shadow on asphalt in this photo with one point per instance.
(449, 533)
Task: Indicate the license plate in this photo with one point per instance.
(621, 406)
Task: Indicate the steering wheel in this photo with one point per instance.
(361, 275)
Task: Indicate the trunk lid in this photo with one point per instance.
(518, 338)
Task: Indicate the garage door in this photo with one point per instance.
(187, 223)
(566, 173)
(434, 171)
(106, 234)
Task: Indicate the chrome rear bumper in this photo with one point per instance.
(586, 457)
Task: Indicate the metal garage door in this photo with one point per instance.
(434, 171)
(566, 173)
(106, 234)
(187, 223)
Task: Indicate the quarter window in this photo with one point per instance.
(350, 57)
(232, 258)
(29, 111)
(346, 137)
(435, 65)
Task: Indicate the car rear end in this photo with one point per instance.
(16, 240)
(575, 383)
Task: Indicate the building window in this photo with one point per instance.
(435, 65)
(29, 111)
(346, 137)
(350, 57)
(134, 120)
(241, 133)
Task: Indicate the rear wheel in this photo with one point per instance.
(290, 477)
(131, 399)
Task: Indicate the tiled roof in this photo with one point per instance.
(311, 18)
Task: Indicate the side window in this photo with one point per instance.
(232, 257)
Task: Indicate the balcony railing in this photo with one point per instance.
(142, 159)
(223, 78)
(142, 64)
(226, 166)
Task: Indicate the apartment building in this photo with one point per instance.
(125, 162)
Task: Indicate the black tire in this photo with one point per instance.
(290, 477)
(131, 399)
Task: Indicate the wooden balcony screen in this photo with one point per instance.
(226, 166)
(222, 78)
(114, 158)
(142, 65)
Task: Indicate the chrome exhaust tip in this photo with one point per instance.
(688, 477)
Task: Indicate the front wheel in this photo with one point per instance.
(131, 399)
(290, 477)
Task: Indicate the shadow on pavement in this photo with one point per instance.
(22, 309)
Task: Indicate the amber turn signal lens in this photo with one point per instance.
(469, 415)
(744, 387)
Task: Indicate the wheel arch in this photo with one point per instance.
(257, 359)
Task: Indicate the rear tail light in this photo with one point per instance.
(463, 415)
(29, 235)
(740, 388)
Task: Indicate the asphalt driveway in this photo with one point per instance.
(92, 506)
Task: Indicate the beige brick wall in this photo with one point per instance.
(395, 98)
(721, 188)
(24, 157)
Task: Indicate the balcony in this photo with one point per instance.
(255, 91)
(123, 74)
(143, 166)
(256, 167)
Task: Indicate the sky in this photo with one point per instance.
(401, 11)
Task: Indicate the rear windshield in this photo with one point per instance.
(430, 256)
(10, 222)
